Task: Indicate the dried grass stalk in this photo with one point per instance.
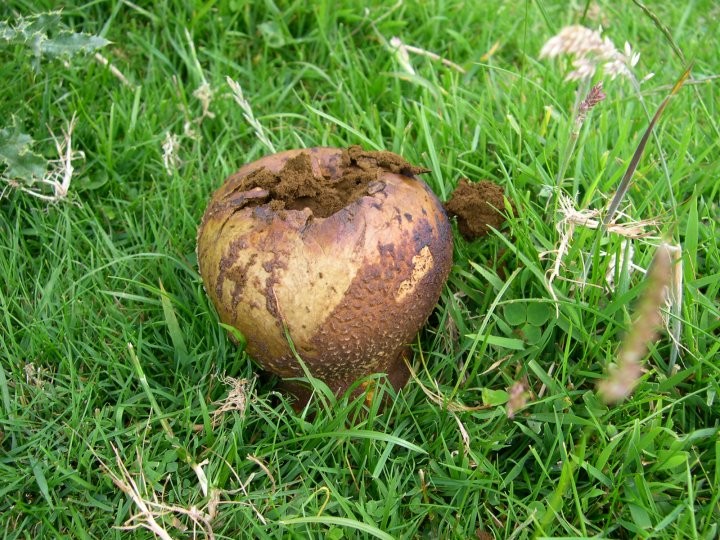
(170, 147)
(402, 51)
(624, 376)
(151, 511)
(237, 399)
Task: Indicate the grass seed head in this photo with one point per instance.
(589, 50)
(624, 376)
(170, 148)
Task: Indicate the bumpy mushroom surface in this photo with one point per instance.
(342, 252)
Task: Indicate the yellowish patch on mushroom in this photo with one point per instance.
(422, 264)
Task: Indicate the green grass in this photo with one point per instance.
(115, 265)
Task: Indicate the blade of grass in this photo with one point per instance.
(347, 127)
(148, 392)
(42, 483)
(343, 522)
(176, 335)
(556, 501)
(5, 392)
(663, 28)
(182, 452)
(625, 182)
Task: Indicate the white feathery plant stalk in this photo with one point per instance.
(625, 374)
(248, 114)
(170, 147)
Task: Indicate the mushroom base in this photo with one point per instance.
(397, 376)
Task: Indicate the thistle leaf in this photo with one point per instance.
(71, 43)
(20, 161)
(45, 35)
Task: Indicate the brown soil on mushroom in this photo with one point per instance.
(477, 207)
(296, 186)
(372, 161)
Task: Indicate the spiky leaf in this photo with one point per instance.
(45, 35)
(16, 154)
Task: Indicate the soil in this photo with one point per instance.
(371, 161)
(477, 206)
(296, 187)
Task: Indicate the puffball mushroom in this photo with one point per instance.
(339, 253)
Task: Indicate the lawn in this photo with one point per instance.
(566, 386)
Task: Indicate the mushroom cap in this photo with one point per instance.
(350, 291)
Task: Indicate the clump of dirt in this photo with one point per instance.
(296, 187)
(477, 207)
(372, 161)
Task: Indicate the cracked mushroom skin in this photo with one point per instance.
(349, 289)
